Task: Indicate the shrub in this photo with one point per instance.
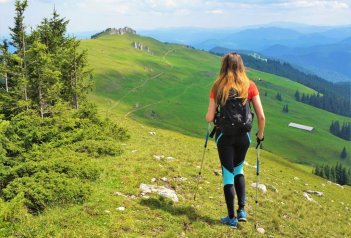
(47, 189)
(98, 148)
(49, 160)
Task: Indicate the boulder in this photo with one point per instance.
(159, 157)
(308, 198)
(261, 230)
(120, 208)
(161, 190)
(260, 186)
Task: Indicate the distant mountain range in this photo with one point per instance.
(328, 61)
(325, 51)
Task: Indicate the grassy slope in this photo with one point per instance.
(171, 86)
(282, 214)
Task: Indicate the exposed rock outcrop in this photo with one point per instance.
(115, 31)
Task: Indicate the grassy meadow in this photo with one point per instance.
(165, 91)
(168, 88)
(282, 213)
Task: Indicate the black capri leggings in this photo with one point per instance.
(232, 151)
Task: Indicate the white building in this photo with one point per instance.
(302, 127)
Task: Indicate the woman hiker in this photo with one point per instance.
(233, 82)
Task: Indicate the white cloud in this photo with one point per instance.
(320, 4)
(217, 11)
(4, 1)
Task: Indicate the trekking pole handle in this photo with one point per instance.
(259, 141)
(207, 134)
(258, 147)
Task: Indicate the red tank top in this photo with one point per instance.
(252, 91)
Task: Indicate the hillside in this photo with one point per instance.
(168, 88)
(114, 205)
(284, 213)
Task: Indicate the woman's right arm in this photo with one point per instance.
(256, 101)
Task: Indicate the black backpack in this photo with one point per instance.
(234, 118)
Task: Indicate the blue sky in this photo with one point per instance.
(95, 15)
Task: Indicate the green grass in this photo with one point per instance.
(169, 87)
(282, 214)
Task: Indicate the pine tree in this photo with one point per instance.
(19, 39)
(343, 153)
(297, 95)
(76, 83)
(332, 174)
(279, 97)
(45, 85)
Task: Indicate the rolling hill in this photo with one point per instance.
(160, 96)
(168, 88)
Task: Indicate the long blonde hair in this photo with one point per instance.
(231, 76)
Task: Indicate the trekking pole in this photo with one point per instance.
(258, 147)
(202, 161)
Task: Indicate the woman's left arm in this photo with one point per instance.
(211, 111)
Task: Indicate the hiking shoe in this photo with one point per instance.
(241, 214)
(232, 222)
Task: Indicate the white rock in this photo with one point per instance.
(146, 188)
(306, 184)
(152, 133)
(169, 193)
(164, 179)
(320, 194)
(121, 208)
(296, 178)
(161, 190)
(260, 186)
(308, 197)
(158, 157)
(261, 230)
(107, 211)
(133, 151)
(329, 182)
(170, 158)
(339, 185)
(153, 180)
